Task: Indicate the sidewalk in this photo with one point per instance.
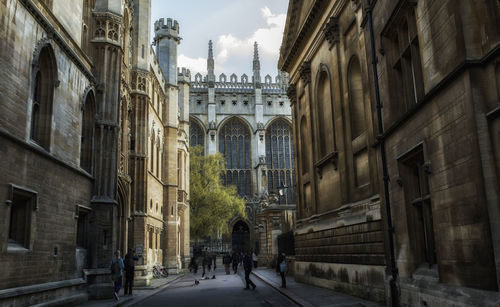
(139, 293)
(308, 295)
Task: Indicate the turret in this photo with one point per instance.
(166, 40)
(210, 65)
(141, 34)
(256, 66)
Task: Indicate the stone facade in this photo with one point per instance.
(255, 111)
(82, 95)
(438, 72)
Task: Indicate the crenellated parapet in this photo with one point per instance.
(242, 84)
(166, 30)
(183, 75)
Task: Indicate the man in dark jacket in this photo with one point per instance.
(236, 260)
(130, 259)
(226, 260)
(247, 265)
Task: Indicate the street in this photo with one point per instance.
(225, 290)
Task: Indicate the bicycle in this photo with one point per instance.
(159, 271)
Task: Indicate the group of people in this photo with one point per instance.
(117, 266)
(248, 260)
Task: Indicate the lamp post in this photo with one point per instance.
(281, 191)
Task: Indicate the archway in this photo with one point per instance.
(240, 237)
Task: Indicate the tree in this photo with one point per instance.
(212, 204)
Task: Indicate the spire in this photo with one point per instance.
(210, 63)
(256, 64)
(256, 61)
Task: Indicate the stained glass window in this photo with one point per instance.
(196, 134)
(234, 144)
(279, 158)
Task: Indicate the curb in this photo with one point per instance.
(132, 300)
(297, 300)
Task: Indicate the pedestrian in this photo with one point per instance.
(236, 260)
(214, 259)
(247, 266)
(254, 259)
(207, 265)
(193, 268)
(130, 259)
(116, 267)
(283, 268)
(226, 260)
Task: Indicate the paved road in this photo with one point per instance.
(225, 290)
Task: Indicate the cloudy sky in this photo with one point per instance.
(233, 26)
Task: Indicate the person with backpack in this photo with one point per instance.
(116, 267)
(247, 266)
(130, 259)
(282, 268)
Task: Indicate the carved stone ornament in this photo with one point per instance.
(260, 126)
(305, 72)
(212, 125)
(331, 30)
(291, 92)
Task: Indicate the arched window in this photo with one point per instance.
(279, 159)
(152, 152)
(324, 113)
(357, 106)
(234, 144)
(44, 82)
(87, 138)
(304, 146)
(196, 134)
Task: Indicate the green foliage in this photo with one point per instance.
(212, 204)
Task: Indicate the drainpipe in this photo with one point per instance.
(390, 227)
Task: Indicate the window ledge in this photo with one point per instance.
(16, 248)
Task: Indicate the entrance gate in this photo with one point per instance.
(240, 237)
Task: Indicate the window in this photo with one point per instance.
(179, 173)
(152, 152)
(43, 83)
(87, 138)
(82, 226)
(280, 161)
(324, 113)
(22, 205)
(150, 238)
(234, 144)
(414, 173)
(196, 135)
(404, 57)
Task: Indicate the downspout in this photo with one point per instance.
(390, 227)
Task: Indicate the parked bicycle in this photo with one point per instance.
(159, 271)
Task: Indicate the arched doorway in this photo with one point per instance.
(240, 237)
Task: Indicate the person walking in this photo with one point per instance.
(116, 267)
(226, 260)
(254, 259)
(236, 260)
(247, 266)
(214, 259)
(282, 268)
(193, 268)
(130, 259)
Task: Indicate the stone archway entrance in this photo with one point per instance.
(240, 237)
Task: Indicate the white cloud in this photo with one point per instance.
(195, 65)
(231, 51)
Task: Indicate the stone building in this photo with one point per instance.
(438, 69)
(92, 147)
(249, 122)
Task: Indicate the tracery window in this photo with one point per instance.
(234, 144)
(280, 161)
(41, 112)
(196, 135)
(87, 137)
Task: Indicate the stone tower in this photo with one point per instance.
(166, 40)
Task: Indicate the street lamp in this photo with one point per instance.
(281, 192)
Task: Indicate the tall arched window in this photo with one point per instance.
(324, 113)
(279, 158)
(234, 144)
(304, 146)
(196, 134)
(87, 138)
(357, 106)
(44, 82)
(152, 152)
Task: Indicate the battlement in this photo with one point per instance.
(183, 75)
(171, 28)
(224, 83)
